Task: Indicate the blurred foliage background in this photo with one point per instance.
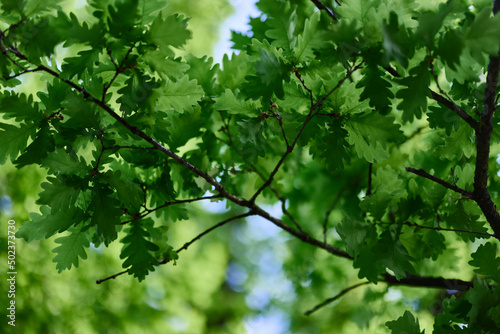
(242, 278)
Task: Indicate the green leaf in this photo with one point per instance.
(65, 162)
(444, 118)
(44, 225)
(311, 39)
(171, 31)
(282, 30)
(137, 252)
(334, 146)
(37, 7)
(106, 213)
(14, 139)
(462, 219)
(61, 193)
(251, 138)
(233, 72)
(72, 247)
(450, 47)
(486, 261)
(136, 93)
(370, 134)
(406, 324)
(179, 96)
(123, 16)
(387, 193)
(201, 70)
(228, 101)
(460, 143)
(85, 62)
(272, 71)
(396, 41)
(167, 67)
(355, 233)
(393, 255)
(41, 146)
(415, 94)
(148, 10)
(483, 36)
(19, 107)
(376, 88)
(129, 193)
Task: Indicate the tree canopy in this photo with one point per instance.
(337, 173)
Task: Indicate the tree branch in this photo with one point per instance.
(448, 103)
(167, 204)
(407, 223)
(483, 136)
(429, 282)
(334, 298)
(423, 173)
(321, 6)
(199, 236)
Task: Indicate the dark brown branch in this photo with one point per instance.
(483, 136)
(411, 281)
(455, 108)
(334, 298)
(429, 282)
(321, 6)
(298, 234)
(423, 173)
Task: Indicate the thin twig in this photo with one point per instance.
(321, 6)
(347, 76)
(439, 228)
(282, 200)
(297, 74)
(118, 69)
(334, 298)
(290, 148)
(167, 204)
(222, 223)
(421, 172)
(369, 188)
(112, 276)
(186, 245)
(445, 101)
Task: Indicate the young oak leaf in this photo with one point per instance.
(44, 225)
(106, 213)
(137, 252)
(404, 324)
(179, 96)
(486, 261)
(72, 247)
(228, 101)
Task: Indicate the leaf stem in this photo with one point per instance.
(421, 172)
